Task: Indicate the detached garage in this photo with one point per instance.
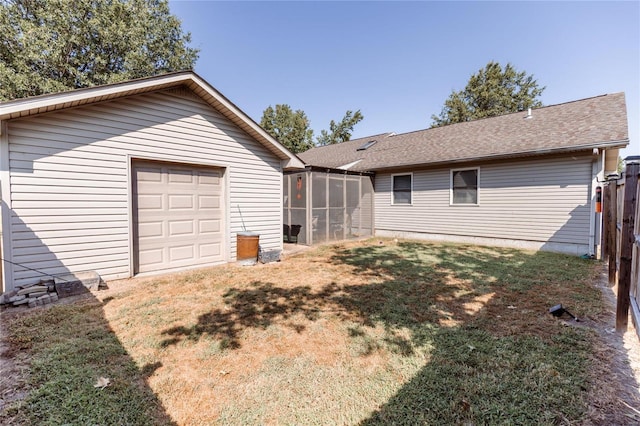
(146, 176)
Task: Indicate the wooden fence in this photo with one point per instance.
(621, 241)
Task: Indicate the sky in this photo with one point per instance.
(397, 62)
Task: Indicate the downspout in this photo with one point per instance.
(595, 219)
(2, 286)
(5, 209)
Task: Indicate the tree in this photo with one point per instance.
(291, 128)
(340, 132)
(490, 92)
(54, 45)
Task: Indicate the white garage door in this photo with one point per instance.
(177, 215)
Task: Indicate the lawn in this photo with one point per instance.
(369, 332)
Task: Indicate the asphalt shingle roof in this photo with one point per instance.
(594, 122)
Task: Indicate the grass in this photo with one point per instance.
(69, 348)
(370, 333)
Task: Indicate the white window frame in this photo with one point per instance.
(393, 203)
(463, 169)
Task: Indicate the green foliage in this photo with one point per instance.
(490, 92)
(54, 45)
(292, 128)
(289, 127)
(340, 132)
(620, 166)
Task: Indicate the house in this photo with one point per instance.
(145, 176)
(526, 180)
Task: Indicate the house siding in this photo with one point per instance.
(71, 191)
(546, 201)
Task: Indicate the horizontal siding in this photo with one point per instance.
(70, 186)
(542, 200)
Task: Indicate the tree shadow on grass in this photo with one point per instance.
(53, 355)
(255, 307)
(68, 348)
(408, 287)
(394, 303)
(495, 352)
(473, 377)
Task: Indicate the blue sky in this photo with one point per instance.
(397, 62)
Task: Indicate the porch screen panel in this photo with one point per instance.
(366, 206)
(336, 208)
(295, 201)
(320, 211)
(353, 209)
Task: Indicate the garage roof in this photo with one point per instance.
(74, 98)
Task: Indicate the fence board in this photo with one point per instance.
(627, 243)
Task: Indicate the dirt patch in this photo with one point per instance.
(12, 379)
(617, 372)
(14, 364)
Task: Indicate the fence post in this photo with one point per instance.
(627, 240)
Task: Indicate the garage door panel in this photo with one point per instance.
(181, 202)
(151, 258)
(150, 202)
(149, 174)
(209, 179)
(181, 253)
(209, 226)
(210, 250)
(181, 176)
(178, 216)
(150, 230)
(208, 202)
(181, 227)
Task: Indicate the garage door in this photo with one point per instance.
(177, 215)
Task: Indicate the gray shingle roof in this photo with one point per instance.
(585, 124)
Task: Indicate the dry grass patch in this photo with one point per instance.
(355, 333)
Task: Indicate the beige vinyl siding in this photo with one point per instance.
(70, 186)
(542, 200)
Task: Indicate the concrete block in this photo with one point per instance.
(78, 283)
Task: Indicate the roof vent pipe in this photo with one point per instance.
(528, 113)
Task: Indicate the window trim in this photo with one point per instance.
(451, 172)
(393, 203)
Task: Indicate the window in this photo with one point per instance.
(402, 186)
(464, 186)
(366, 145)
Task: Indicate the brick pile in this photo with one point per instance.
(35, 294)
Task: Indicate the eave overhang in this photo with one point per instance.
(507, 156)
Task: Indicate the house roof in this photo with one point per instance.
(598, 122)
(74, 98)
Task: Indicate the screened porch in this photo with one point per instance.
(321, 205)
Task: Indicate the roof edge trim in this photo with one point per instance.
(613, 144)
(292, 160)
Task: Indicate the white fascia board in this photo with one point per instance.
(45, 103)
(349, 165)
